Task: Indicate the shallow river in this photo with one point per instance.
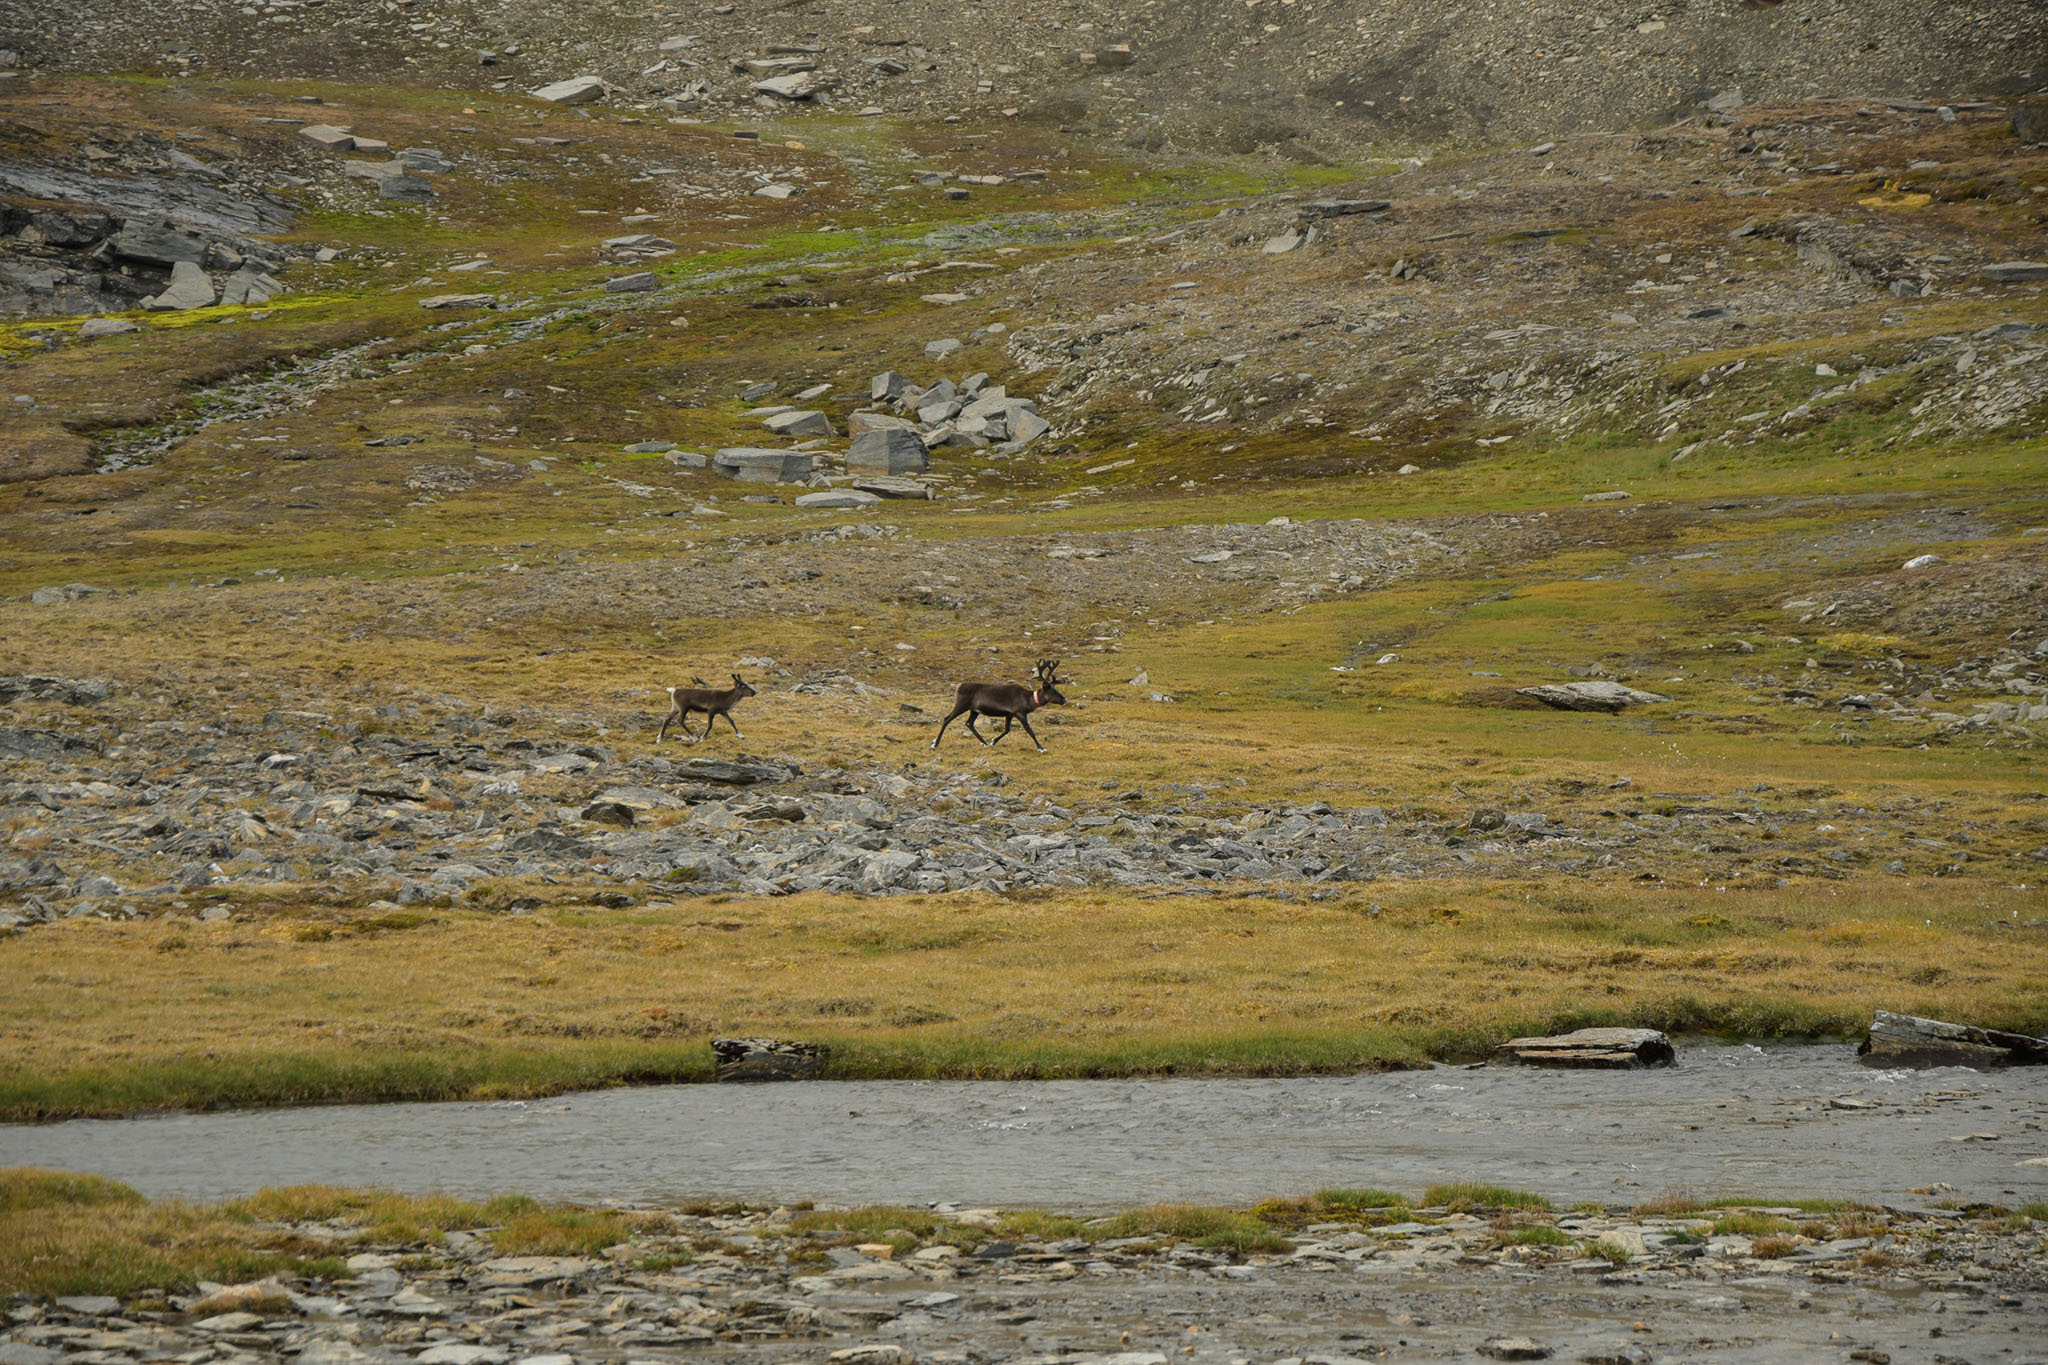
(1784, 1121)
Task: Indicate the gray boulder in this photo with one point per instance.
(190, 287)
(802, 85)
(800, 422)
(106, 327)
(577, 90)
(425, 160)
(1908, 1040)
(2015, 272)
(1597, 694)
(749, 464)
(406, 189)
(159, 244)
(638, 283)
(887, 451)
(327, 135)
(888, 386)
(1027, 426)
(857, 422)
(251, 286)
(849, 499)
(1606, 1049)
(766, 1059)
(889, 487)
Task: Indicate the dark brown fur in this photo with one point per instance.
(1014, 704)
(713, 702)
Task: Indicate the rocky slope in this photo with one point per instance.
(1309, 78)
(1599, 1285)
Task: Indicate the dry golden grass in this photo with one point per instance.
(73, 1234)
(1074, 983)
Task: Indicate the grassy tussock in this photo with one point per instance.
(1463, 1198)
(62, 1233)
(382, 1217)
(71, 1234)
(1217, 1229)
(571, 1232)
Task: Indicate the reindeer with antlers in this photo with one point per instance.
(1008, 700)
(712, 701)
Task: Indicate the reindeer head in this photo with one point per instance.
(742, 688)
(1043, 676)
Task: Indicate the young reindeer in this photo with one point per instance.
(713, 702)
(1013, 703)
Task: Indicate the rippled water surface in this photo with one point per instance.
(1783, 1121)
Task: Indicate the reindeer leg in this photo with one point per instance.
(944, 723)
(730, 721)
(1031, 732)
(1009, 724)
(974, 729)
(662, 733)
(695, 738)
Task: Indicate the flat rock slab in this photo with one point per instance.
(751, 465)
(70, 691)
(531, 1270)
(1595, 695)
(1907, 1040)
(1343, 208)
(2015, 272)
(886, 487)
(766, 1059)
(328, 136)
(731, 774)
(460, 301)
(579, 90)
(638, 283)
(800, 422)
(848, 499)
(1614, 1049)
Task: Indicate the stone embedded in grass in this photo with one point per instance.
(406, 189)
(460, 301)
(106, 327)
(637, 283)
(943, 347)
(328, 136)
(1598, 694)
(749, 464)
(802, 85)
(577, 90)
(849, 499)
(889, 487)
(1514, 1348)
(2015, 272)
(800, 422)
(766, 1059)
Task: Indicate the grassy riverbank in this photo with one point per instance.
(342, 1005)
(62, 1233)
